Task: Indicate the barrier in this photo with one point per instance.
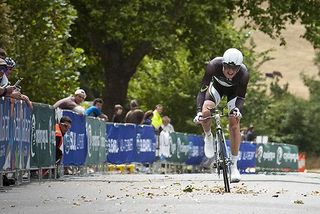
(277, 157)
(128, 143)
(5, 134)
(27, 140)
(96, 140)
(145, 151)
(15, 124)
(43, 151)
(75, 141)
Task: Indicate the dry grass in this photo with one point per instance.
(296, 57)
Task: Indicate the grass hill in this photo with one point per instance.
(296, 57)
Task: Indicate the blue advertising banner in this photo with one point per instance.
(196, 150)
(121, 139)
(247, 157)
(4, 132)
(22, 134)
(75, 141)
(145, 144)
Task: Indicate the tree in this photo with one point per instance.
(46, 61)
(120, 34)
(5, 30)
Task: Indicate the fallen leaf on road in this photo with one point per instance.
(317, 193)
(298, 202)
(188, 188)
(76, 204)
(217, 189)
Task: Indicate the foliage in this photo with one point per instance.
(272, 16)
(5, 30)
(118, 35)
(45, 60)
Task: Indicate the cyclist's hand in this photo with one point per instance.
(236, 113)
(197, 118)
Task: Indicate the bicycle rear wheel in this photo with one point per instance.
(224, 165)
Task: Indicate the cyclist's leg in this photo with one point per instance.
(234, 127)
(212, 99)
(235, 137)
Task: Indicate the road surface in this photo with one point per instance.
(176, 193)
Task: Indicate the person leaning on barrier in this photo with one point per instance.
(95, 110)
(147, 120)
(117, 114)
(135, 115)
(73, 102)
(5, 88)
(16, 93)
(61, 129)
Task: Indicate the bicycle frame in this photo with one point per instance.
(222, 158)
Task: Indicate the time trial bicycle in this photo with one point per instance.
(222, 156)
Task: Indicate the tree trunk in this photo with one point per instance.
(115, 91)
(118, 71)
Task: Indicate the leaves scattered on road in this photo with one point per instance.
(298, 202)
(188, 188)
(315, 193)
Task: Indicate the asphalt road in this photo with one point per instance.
(143, 193)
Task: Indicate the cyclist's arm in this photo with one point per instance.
(242, 90)
(204, 86)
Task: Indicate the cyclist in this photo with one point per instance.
(224, 76)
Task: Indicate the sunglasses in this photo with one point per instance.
(231, 66)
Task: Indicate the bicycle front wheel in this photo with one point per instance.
(224, 164)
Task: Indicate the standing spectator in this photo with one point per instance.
(148, 118)
(61, 129)
(135, 115)
(251, 135)
(73, 102)
(117, 114)
(3, 53)
(156, 119)
(166, 124)
(95, 110)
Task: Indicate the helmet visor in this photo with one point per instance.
(231, 66)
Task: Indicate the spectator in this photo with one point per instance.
(148, 118)
(95, 110)
(117, 114)
(13, 91)
(156, 119)
(61, 129)
(243, 133)
(5, 88)
(73, 102)
(3, 53)
(135, 115)
(251, 135)
(11, 65)
(166, 124)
